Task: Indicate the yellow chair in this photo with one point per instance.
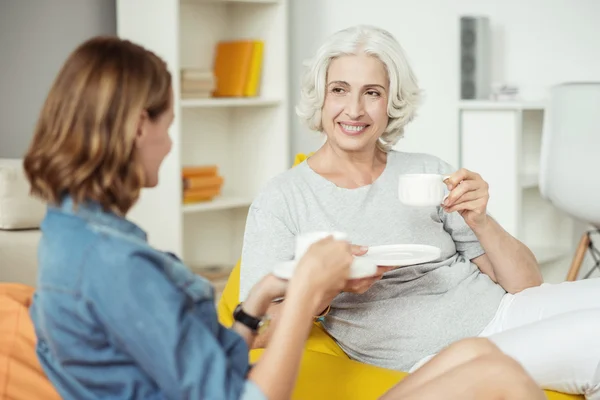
(326, 372)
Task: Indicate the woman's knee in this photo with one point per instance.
(504, 374)
(475, 347)
(503, 367)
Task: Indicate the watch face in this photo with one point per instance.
(263, 325)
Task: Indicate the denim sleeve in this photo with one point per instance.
(252, 392)
(159, 326)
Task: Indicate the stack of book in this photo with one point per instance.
(200, 183)
(197, 83)
(238, 67)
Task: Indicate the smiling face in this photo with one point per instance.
(354, 113)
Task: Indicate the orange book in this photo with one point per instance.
(231, 67)
(198, 170)
(202, 182)
(195, 196)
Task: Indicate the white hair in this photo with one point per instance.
(404, 93)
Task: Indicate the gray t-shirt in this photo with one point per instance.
(412, 311)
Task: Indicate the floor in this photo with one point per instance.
(556, 271)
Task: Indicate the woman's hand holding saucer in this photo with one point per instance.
(360, 286)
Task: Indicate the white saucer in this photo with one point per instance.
(361, 268)
(401, 255)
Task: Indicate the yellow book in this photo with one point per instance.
(251, 88)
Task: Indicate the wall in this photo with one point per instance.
(535, 43)
(35, 39)
(304, 41)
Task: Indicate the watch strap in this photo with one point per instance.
(244, 318)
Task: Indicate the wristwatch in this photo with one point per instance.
(256, 325)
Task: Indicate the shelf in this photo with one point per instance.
(212, 273)
(230, 102)
(231, 1)
(547, 254)
(500, 105)
(246, 137)
(220, 203)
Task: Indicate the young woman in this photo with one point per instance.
(116, 318)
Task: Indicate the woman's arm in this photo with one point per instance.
(267, 240)
(320, 275)
(277, 369)
(258, 304)
(512, 264)
(352, 286)
(506, 260)
(270, 238)
(274, 310)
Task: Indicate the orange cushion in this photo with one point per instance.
(21, 375)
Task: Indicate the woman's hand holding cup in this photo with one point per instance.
(322, 272)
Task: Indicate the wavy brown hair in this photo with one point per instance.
(84, 141)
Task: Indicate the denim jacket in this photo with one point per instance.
(117, 319)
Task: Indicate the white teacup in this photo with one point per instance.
(360, 268)
(422, 190)
(304, 241)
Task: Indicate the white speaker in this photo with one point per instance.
(475, 58)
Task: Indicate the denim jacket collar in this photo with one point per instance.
(92, 211)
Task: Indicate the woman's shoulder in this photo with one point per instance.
(283, 187)
(415, 162)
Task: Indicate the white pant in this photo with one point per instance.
(553, 330)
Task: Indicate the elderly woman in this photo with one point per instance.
(360, 92)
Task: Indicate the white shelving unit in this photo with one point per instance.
(501, 141)
(219, 103)
(248, 138)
